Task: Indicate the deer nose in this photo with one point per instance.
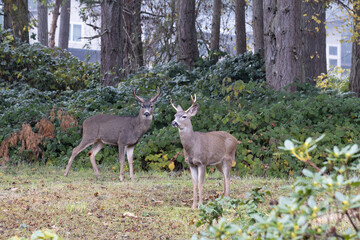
(147, 114)
(174, 124)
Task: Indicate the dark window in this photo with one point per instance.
(333, 63)
(333, 51)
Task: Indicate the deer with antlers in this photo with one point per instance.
(123, 131)
(202, 149)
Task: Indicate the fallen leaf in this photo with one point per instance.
(129, 214)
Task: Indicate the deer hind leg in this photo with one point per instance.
(95, 149)
(83, 144)
(226, 170)
(194, 177)
(122, 161)
(130, 157)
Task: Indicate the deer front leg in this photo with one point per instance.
(130, 157)
(122, 161)
(194, 176)
(201, 176)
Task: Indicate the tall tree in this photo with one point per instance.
(313, 39)
(258, 26)
(240, 27)
(188, 49)
(215, 26)
(64, 28)
(133, 49)
(282, 20)
(42, 8)
(53, 27)
(111, 39)
(354, 81)
(16, 18)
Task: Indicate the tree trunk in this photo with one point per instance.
(133, 50)
(188, 49)
(240, 27)
(16, 17)
(42, 22)
(55, 17)
(64, 28)
(282, 43)
(215, 26)
(111, 39)
(313, 40)
(258, 26)
(354, 81)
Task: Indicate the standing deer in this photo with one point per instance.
(123, 131)
(201, 149)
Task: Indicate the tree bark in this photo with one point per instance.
(258, 26)
(354, 81)
(215, 26)
(133, 49)
(240, 27)
(53, 27)
(111, 39)
(313, 40)
(188, 49)
(64, 28)
(16, 18)
(42, 23)
(282, 43)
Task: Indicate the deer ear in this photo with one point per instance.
(179, 108)
(193, 110)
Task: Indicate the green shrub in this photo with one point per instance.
(41, 67)
(321, 205)
(233, 97)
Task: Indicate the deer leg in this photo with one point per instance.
(201, 176)
(130, 157)
(226, 169)
(122, 161)
(95, 149)
(83, 144)
(194, 176)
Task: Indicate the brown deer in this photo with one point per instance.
(123, 131)
(202, 149)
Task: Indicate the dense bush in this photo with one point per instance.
(41, 67)
(232, 94)
(321, 206)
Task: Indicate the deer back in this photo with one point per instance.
(209, 148)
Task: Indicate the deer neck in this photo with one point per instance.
(187, 137)
(143, 123)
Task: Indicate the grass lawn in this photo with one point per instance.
(155, 206)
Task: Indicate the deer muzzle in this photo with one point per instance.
(147, 114)
(174, 124)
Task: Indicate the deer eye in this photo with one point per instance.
(184, 116)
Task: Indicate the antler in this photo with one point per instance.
(193, 102)
(173, 105)
(140, 99)
(157, 95)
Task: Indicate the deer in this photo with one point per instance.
(202, 149)
(122, 131)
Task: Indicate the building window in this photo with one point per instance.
(333, 51)
(76, 33)
(333, 63)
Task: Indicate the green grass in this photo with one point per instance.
(155, 206)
